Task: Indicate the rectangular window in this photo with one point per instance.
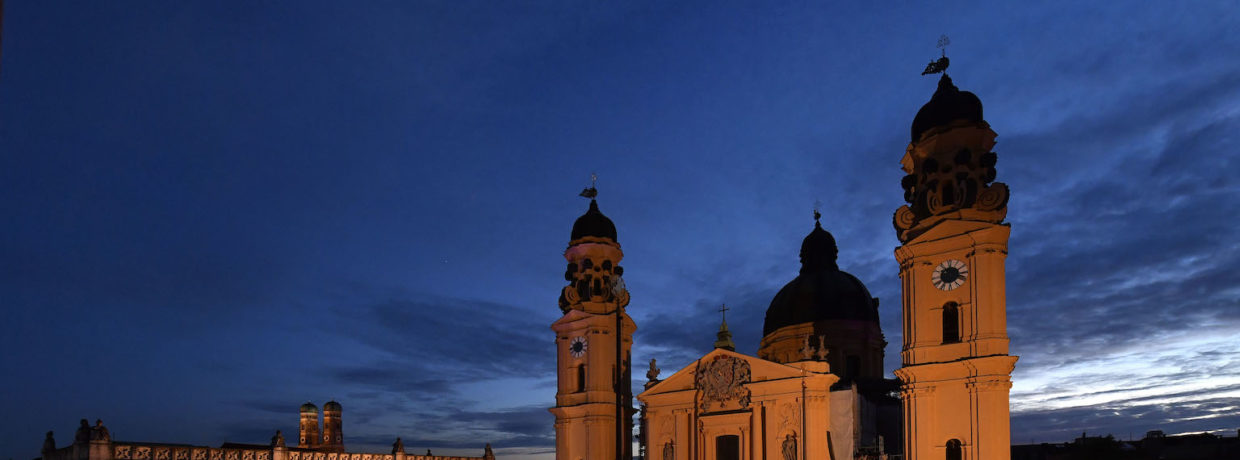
(728, 447)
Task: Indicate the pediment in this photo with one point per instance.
(759, 370)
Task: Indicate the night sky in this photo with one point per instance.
(217, 211)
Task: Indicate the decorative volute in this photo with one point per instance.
(593, 273)
(949, 165)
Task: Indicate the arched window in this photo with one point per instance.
(951, 323)
(581, 378)
(953, 450)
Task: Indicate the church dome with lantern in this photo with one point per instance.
(822, 291)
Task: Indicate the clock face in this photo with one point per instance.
(577, 347)
(950, 275)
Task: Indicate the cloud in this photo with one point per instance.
(1122, 269)
(427, 338)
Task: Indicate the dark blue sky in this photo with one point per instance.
(217, 211)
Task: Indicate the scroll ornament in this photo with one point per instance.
(950, 185)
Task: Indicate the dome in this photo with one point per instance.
(947, 105)
(331, 406)
(821, 291)
(818, 250)
(593, 223)
(308, 408)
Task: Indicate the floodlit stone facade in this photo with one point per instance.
(956, 370)
(593, 404)
(822, 346)
(729, 405)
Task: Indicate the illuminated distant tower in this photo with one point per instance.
(333, 437)
(309, 426)
(593, 340)
(956, 369)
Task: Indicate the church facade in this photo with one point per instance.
(815, 387)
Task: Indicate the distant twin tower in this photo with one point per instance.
(332, 438)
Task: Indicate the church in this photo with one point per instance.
(814, 389)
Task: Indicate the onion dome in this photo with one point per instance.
(308, 408)
(331, 406)
(593, 223)
(947, 105)
(821, 291)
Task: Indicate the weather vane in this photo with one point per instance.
(591, 192)
(939, 66)
(817, 206)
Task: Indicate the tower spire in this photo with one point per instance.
(723, 339)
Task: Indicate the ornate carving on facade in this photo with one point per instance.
(122, 452)
(789, 417)
(947, 184)
(596, 282)
(278, 439)
(652, 374)
(100, 432)
(669, 451)
(82, 436)
(181, 454)
(989, 385)
(49, 443)
(822, 348)
(789, 447)
(723, 379)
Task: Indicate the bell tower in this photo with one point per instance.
(308, 428)
(956, 370)
(333, 436)
(593, 410)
